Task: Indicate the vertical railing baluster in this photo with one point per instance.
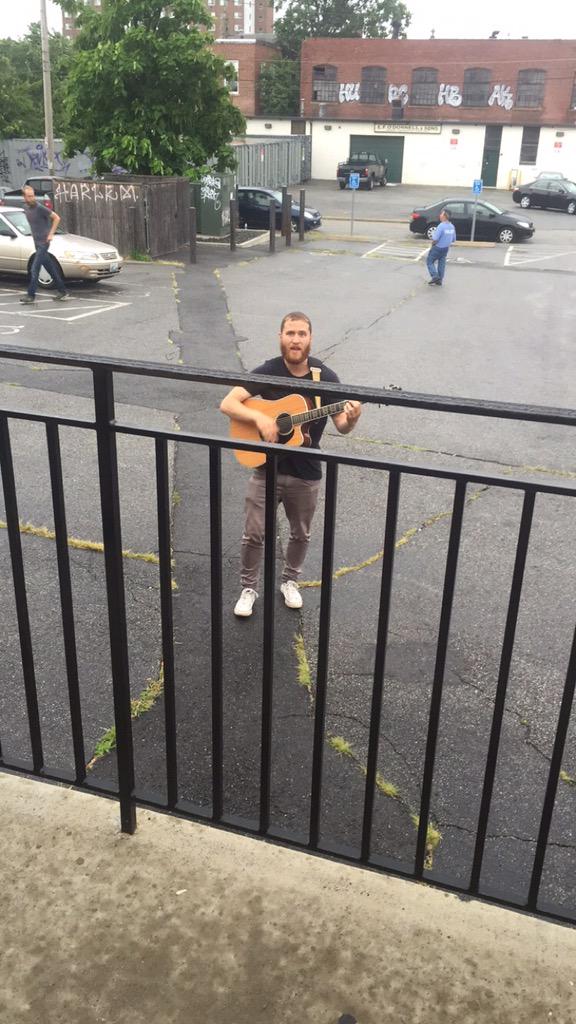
(564, 715)
(216, 632)
(380, 660)
(323, 652)
(500, 697)
(268, 642)
(438, 681)
(66, 599)
(20, 596)
(167, 618)
(116, 599)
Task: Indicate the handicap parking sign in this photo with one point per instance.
(354, 180)
(477, 185)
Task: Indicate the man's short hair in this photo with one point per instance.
(26, 188)
(296, 315)
(447, 214)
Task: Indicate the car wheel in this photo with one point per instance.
(45, 279)
(571, 208)
(342, 184)
(525, 202)
(505, 235)
(430, 230)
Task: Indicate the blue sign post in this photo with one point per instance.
(354, 184)
(477, 186)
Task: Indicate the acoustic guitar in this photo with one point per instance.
(290, 413)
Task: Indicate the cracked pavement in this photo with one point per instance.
(376, 322)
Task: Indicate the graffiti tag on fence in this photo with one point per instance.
(95, 192)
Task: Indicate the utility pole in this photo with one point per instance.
(46, 81)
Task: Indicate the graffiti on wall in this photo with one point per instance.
(451, 95)
(95, 191)
(210, 190)
(34, 159)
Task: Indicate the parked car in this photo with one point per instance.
(78, 257)
(254, 209)
(372, 171)
(492, 224)
(15, 198)
(548, 193)
(550, 174)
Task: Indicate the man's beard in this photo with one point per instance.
(299, 356)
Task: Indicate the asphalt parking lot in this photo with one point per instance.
(502, 328)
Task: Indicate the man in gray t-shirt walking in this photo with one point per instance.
(43, 223)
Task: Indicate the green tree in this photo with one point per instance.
(279, 88)
(306, 19)
(145, 91)
(22, 104)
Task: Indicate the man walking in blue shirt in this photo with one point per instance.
(442, 239)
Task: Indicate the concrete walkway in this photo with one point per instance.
(184, 924)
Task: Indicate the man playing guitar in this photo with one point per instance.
(298, 481)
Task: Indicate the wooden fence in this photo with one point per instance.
(136, 214)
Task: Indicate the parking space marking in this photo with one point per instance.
(55, 312)
(515, 258)
(11, 328)
(395, 250)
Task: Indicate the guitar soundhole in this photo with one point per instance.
(285, 429)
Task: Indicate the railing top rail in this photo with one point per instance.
(377, 396)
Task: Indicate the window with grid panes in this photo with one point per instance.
(373, 85)
(324, 84)
(530, 88)
(529, 147)
(424, 90)
(476, 90)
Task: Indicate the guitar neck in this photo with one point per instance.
(318, 414)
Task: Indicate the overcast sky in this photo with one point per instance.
(449, 19)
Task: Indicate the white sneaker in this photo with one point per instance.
(245, 603)
(292, 596)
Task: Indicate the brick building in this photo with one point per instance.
(442, 111)
(246, 55)
(69, 30)
(231, 17)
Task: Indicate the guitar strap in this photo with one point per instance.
(316, 372)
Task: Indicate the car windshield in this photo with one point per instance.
(18, 220)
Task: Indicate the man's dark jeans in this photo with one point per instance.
(44, 258)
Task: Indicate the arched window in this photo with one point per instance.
(530, 88)
(424, 91)
(373, 85)
(324, 84)
(476, 87)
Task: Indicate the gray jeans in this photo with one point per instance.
(299, 498)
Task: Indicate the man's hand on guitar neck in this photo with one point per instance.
(346, 421)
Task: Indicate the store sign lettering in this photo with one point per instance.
(503, 96)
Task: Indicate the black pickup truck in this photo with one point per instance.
(372, 171)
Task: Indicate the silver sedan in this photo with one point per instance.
(79, 258)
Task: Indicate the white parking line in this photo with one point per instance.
(520, 259)
(395, 250)
(55, 312)
(11, 328)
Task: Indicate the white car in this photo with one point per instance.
(79, 258)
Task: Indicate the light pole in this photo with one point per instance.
(47, 84)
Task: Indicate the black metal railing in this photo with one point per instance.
(107, 428)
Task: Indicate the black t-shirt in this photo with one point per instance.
(306, 469)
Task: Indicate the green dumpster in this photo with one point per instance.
(211, 197)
